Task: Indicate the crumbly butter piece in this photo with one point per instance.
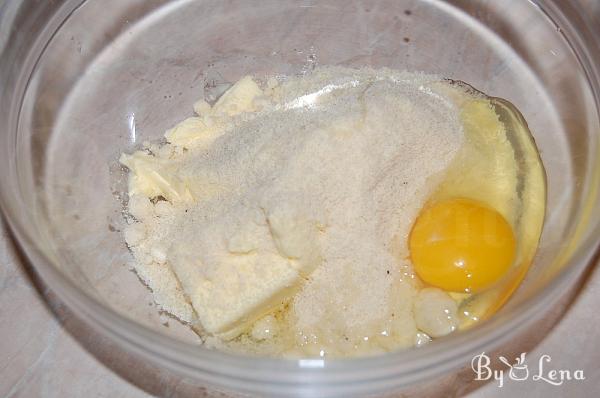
(239, 98)
(201, 107)
(194, 131)
(240, 290)
(253, 277)
(242, 97)
(154, 176)
(151, 176)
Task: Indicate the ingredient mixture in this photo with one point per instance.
(277, 221)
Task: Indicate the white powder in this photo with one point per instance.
(356, 152)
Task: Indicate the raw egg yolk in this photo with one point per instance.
(461, 245)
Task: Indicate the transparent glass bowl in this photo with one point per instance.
(85, 80)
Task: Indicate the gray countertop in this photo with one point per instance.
(46, 352)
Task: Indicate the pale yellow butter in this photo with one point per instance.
(193, 131)
(209, 124)
(152, 176)
(239, 98)
(251, 279)
(240, 291)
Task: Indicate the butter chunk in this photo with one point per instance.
(239, 98)
(151, 176)
(240, 290)
(193, 132)
(201, 107)
(255, 262)
(245, 240)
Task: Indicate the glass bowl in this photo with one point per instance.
(85, 80)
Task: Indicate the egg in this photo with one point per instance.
(461, 245)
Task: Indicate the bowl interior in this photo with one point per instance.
(118, 73)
